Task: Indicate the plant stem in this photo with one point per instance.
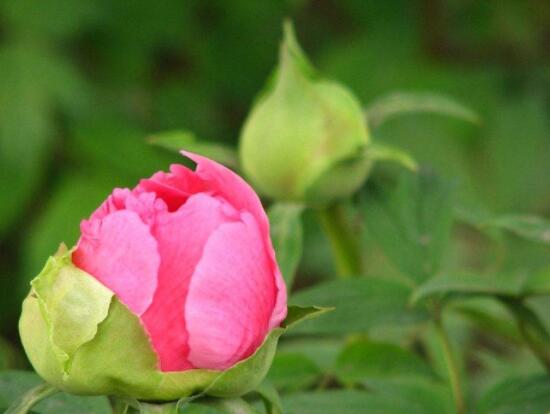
(345, 248)
(454, 376)
(30, 398)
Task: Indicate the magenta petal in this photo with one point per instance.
(121, 253)
(116, 201)
(231, 296)
(181, 237)
(174, 187)
(224, 182)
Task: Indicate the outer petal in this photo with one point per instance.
(224, 182)
(121, 253)
(231, 296)
(181, 237)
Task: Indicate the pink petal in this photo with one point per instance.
(121, 253)
(224, 182)
(231, 296)
(174, 187)
(116, 201)
(181, 237)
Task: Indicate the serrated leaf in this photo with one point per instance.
(286, 235)
(379, 152)
(187, 140)
(402, 103)
(411, 222)
(517, 395)
(359, 305)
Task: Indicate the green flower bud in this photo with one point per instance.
(80, 338)
(305, 137)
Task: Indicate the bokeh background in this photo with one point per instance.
(84, 83)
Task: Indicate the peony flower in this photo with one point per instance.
(170, 284)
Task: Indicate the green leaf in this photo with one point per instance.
(369, 363)
(508, 284)
(402, 399)
(531, 228)
(360, 304)
(293, 371)
(31, 398)
(270, 397)
(412, 396)
(490, 317)
(538, 283)
(381, 152)
(411, 222)
(323, 352)
(286, 235)
(186, 140)
(14, 385)
(517, 395)
(402, 103)
(327, 402)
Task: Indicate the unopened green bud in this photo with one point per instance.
(305, 137)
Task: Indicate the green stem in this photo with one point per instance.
(30, 398)
(454, 376)
(345, 247)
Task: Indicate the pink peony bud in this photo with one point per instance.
(189, 253)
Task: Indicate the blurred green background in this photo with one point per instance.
(84, 83)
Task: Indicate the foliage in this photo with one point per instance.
(442, 302)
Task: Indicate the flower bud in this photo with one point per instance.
(172, 290)
(305, 137)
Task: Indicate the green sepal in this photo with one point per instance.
(109, 352)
